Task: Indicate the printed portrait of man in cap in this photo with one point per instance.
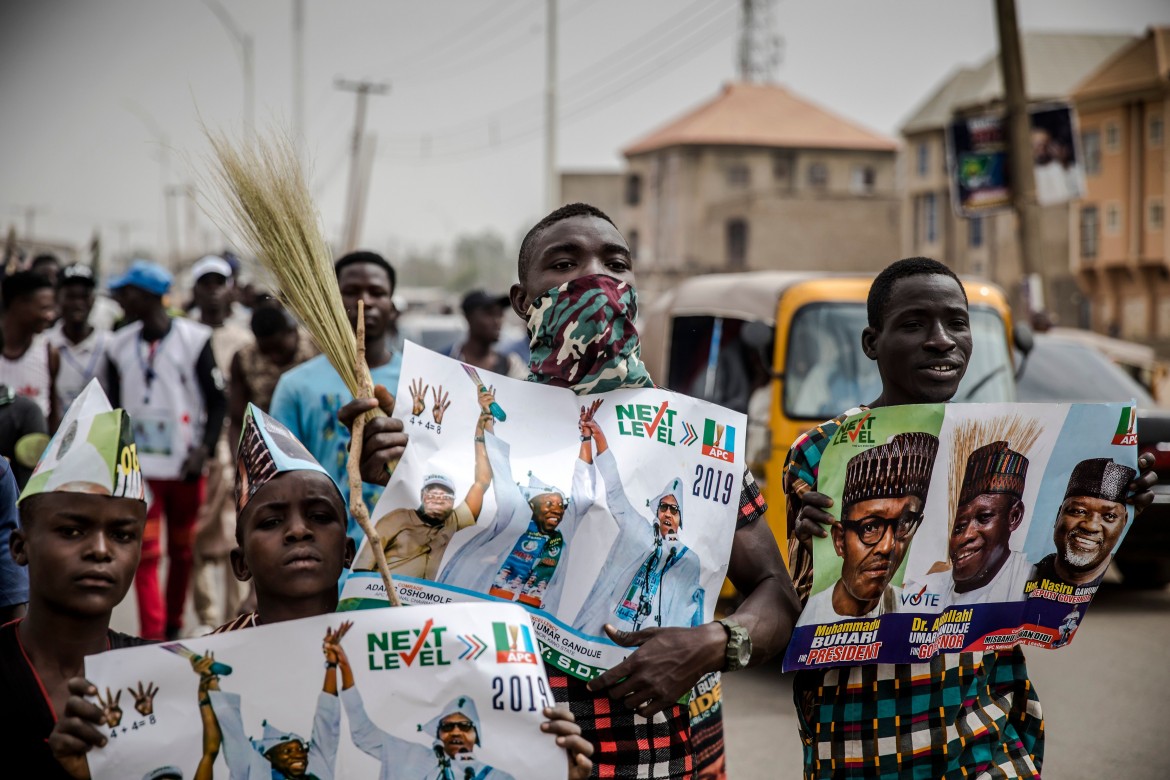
(983, 567)
(1089, 524)
(882, 503)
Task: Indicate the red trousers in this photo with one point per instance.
(179, 502)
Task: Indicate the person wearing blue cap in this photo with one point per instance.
(163, 371)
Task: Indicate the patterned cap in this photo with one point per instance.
(994, 468)
(267, 449)
(273, 737)
(92, 452)
(1100, 478)
(900, 467)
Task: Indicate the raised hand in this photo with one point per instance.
(110, 707)
(442, 403)
(418, 395)
(486, 396)
(144, 698)
(588, 412)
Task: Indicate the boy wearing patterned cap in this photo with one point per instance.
(885, 491)
(983, 567)
(81, 519)
(1089, 524)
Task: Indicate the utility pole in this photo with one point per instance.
(243, 42)
(1011, 64)
(552, 189)
(298, 77)
(354, 197)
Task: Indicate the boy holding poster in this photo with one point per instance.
(293, 544)
(577, 294)
(81, 519)
(919, 334)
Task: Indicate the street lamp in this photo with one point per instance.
(243, 42)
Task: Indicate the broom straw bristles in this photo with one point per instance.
(266, 203)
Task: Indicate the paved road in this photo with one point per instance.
(1106, 700)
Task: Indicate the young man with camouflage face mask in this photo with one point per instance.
(576, 291)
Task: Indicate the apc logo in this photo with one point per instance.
(719, 441)
(514, 644)
(920, 599)
(1125, 427)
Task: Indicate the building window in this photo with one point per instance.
(818, 175)
(1112, 138)
(975, 232)
(1112, 218)
(1156, 129)
(738, 175)
(929, 220)
(862, 179)
(737, 244)
(1091, 147)
(782, 168)
(1090, 232)
(923, 158)
(633, 189)
(1156, 216)
(632, 240)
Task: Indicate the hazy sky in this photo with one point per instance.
(84, 81)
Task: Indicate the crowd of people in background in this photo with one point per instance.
(185, 358)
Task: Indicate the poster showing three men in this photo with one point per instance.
(612, 509)
(965, 527)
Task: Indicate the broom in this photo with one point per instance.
(269, 207)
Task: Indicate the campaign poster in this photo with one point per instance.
(433, 691)
(617, 508)
(977, 148)
(964, 527)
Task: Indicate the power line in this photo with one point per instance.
(459, 65)
(631, 56)
(479, 28)
(699, 40)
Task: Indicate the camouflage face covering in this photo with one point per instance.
(582, 336)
